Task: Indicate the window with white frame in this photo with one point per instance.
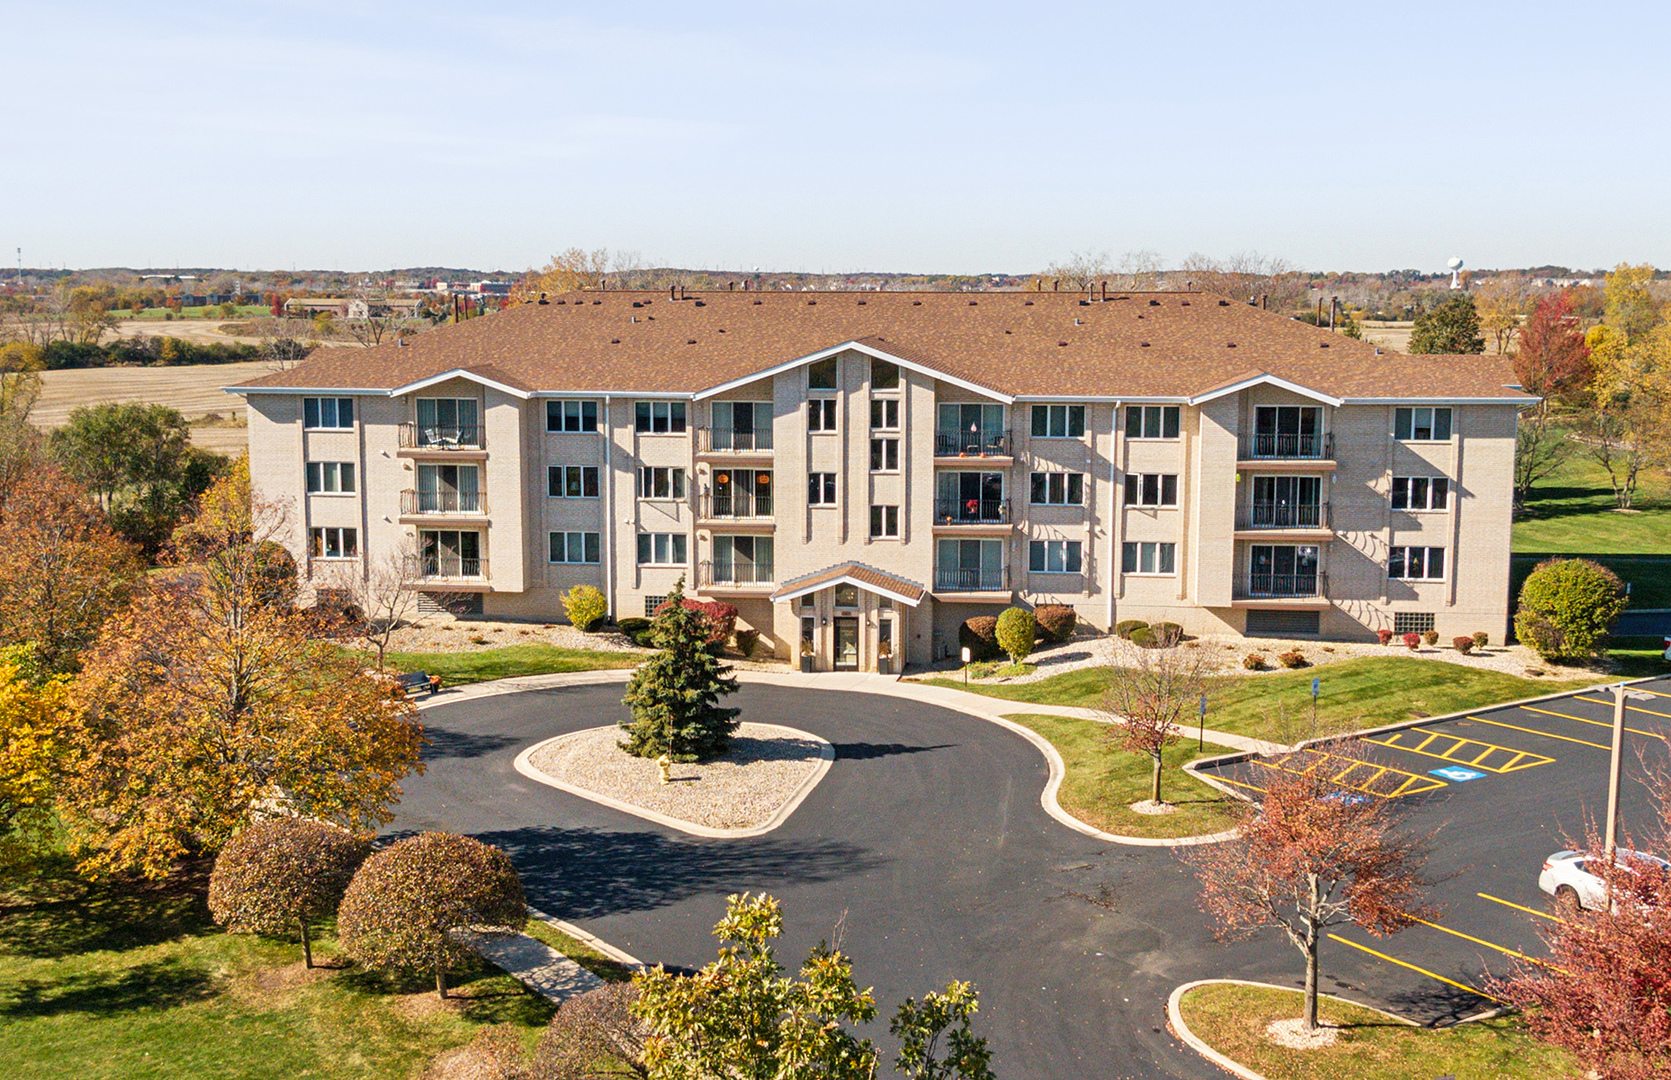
(574, 547)
(821, 414)
(1058, 421)
(659, 482)
(1151, 489)
(1143, 557)
(1422, 424)
(821, 489)
(334, 543)
(659, 417)
(1054, 556)
(571, 416)
(571, 481)
(330, 477)
(884, 455)
(327, 412)
(1152, 421)
(741, 425)
(1420, 492)
(1416, 563)
(1058, 489)
(884, 414)
(884, 522)
(661, 549)
(743, 560)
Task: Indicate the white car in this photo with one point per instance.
(1565, 878)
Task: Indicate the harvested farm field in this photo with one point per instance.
(194, 389)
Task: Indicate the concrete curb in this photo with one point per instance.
(586, 937)
(826, 757)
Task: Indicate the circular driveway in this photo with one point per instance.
(924, 853)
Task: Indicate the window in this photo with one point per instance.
(574, 547)
(969, 565)
(970, 431)
(1420, 493)
(1412, 622)
(1287, 431)
(821, 414)
(1058, 421)
(572, 481)
(821, 489)
(743, 560)
(821, 374)
(884, 521)
(846, 595)
(332, 543)
(1147, 558)
(447, 422)
(328, 412)
(330, 476)
(884, 375)
(809, 601)
(651, 603)
(742, 493)
(658, 482)
(1152, 421)
(884, 455)
(809, 628)
(449, 489)
(1053, 556)
(1151, 489)
(968, 496)
(884, 414)
(571, 416)
(1416, 563)
(1422, 424)
(1059, 489)
(660, 417)
(741, 425)
(661, 549)
(451, 553)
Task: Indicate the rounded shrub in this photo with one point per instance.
(1292, 659)
(1254, 662)
(1125, 627)
(635, 629)
(1016, 631)
(980, 636)
(585, 607)
(594, 1034)
(1143, 636)
(1169, 633)
(1463, 645)
(1481, 639)
(747, 640)
(1412, 641)
(1567, 607)
(1056, 622)
(400, 910)
(1384, 635)
(1430, 636)
(278, 875)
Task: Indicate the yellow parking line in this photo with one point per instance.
(1419, 970)
(1518, 759)
(1481, 941)
(1517, 907)
(1412, 783)
(1238, 783)
(1631, 708)
(1582, 720)
(1545, 734)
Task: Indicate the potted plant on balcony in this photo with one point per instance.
(806, 657)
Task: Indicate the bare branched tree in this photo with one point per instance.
(1142, 270)
(384, 594)
(1080, 271)
(1152, 692)
(285, 342)
(1248, 275)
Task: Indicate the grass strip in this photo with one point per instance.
(464, 668)
(597, 963)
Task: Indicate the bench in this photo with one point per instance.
(415, 681)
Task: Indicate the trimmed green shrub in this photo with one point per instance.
(1056, 622)
(632, 626)
(278, 875)
(1430, 636)
(747, 640)
(1126, 626)
(980, 636)
(585, 607)
(674, 695)
(402, 906)
(1567, 607)
(1481, 639)
(1463, 645)
(1169, 632)
(1016, 630)
(1143, 636)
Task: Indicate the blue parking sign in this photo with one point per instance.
(1457, 773)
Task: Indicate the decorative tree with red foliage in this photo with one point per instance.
(1553, 360)
(1315, 856)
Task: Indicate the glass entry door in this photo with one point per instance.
(847, 644)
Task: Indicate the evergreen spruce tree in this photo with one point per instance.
(674, 696)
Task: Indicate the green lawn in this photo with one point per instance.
(1103, 781)
(581, 953)
(241, 311)
(1232, 1020)
(1572, 512)
(130, 980)
(1355, 694)
(463, 668)
(1649, 576)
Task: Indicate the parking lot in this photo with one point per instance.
(1505, 787)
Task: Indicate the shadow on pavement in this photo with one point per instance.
(867, 751)
(442, 742)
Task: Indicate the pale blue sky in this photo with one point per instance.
(838, 136)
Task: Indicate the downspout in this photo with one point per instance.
(1114, 503)
(608, 511)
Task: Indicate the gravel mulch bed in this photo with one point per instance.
(447, 633)
(767, 764)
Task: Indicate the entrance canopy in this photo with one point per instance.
(865, 577)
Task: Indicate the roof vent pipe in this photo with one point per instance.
(1105, 291)
(730, 286)
(1055, 285)
(673, 292)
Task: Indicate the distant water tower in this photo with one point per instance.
(1456, 271)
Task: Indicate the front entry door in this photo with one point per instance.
(847, 644)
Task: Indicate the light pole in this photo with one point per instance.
(1619, 695)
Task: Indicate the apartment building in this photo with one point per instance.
(860, 472)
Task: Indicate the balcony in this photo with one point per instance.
(441, 437)
(1274, 447)
(723, 575)
(441, 502)
(1278, 516)
(971, 512)
(737, 506)
(951, 579)
(973, 444)
(1259, 586)
(718, 440)
(445, 568)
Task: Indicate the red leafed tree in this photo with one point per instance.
(1314, 857)
(1553, 360)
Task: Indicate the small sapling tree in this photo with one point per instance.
(281, 874)
(1151, 693)
(674, 696)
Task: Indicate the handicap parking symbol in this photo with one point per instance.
(1456, 773)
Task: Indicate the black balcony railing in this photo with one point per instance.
(1282, 585)
(730, 440)
(442, 502)
(1283, 516)
(1319, 447)
(735, 573)
(958, 579)
(441, 436)
(973, 444)
(971, 511)
(445, 568)
(737, 505)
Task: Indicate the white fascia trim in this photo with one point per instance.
(458, 373)
(1119, 399)
(666, 395)
(1452, 399)
(845, 579)
(1265, 380)
(310, 391)
(854, 346)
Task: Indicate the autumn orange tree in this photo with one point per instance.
(209, 704)
(1151, 693)
(1315, 856)
(35, 719)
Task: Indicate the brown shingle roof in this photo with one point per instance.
(866, 576)
(1133, 345)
